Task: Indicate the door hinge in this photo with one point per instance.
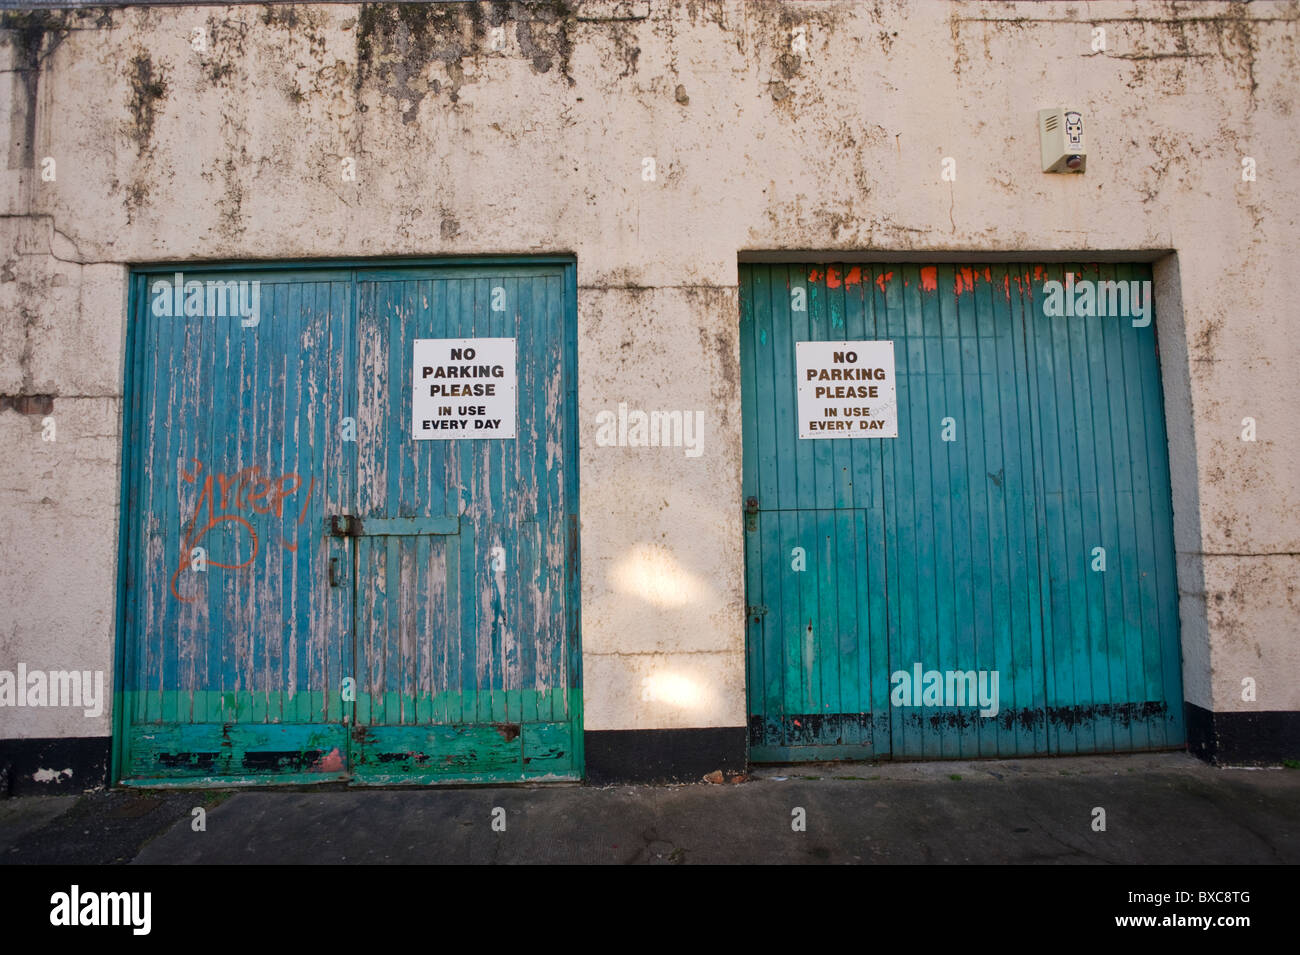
(751, 514)
(756, 611)
(345, 525)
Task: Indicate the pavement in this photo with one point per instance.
(1167, 808)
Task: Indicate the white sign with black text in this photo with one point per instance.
(464, 388)
(846, 389)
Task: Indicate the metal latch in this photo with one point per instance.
(345, 525)
(758, 612)
(751, 514)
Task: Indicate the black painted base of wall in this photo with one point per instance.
(71, 765)
(646, 756)
(1243, 738)
(663, 756)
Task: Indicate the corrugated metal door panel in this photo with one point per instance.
(463, 651)
(982, 544)
(234, 671)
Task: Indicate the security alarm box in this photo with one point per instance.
(1060, 134)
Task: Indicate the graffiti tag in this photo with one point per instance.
(220, 501)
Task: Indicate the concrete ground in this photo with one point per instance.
(1159, 808)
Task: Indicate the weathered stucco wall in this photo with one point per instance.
(164, 152)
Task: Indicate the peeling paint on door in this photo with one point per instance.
(369, 607)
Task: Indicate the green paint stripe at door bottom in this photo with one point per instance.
(234, 751)
(386, 755)
(284, 752)
(262, 753)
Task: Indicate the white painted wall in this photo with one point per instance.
(165, 153)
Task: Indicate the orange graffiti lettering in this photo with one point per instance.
(246, 489)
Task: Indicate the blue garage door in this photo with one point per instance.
(998, 579)
(312, 591)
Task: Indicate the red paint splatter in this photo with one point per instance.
(854, 277)
(1039, 274)
(882, 279)
(929, 278)
(833, 278)
(1006, 286)
(814, 276)
(331, 762)
(988, 276)
(965, 281)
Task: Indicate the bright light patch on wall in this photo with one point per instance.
(672, 689)
(651, 573)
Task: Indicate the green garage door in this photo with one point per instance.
(997, 579)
